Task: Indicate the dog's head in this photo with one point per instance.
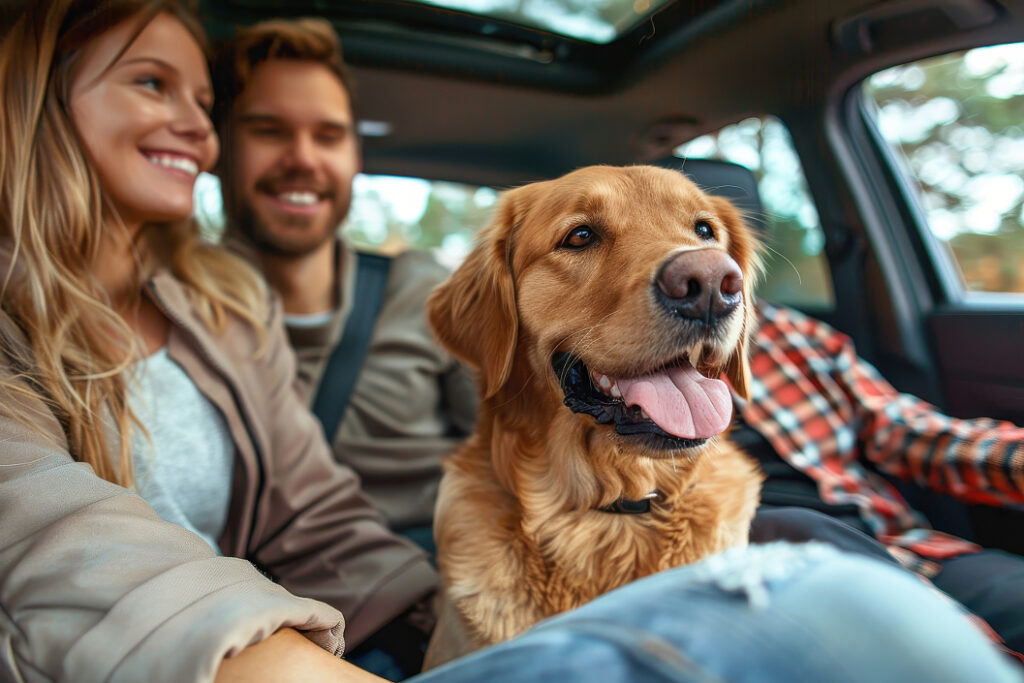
(626, 292)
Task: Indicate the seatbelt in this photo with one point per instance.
(346, 361)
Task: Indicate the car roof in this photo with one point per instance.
(472, 99)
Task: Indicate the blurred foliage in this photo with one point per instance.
(391, 214)
(957, 125)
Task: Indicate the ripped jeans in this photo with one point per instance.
(775, 612)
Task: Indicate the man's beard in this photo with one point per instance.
(291, 236)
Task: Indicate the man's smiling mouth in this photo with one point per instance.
(298, 198)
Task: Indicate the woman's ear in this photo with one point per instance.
(473, 313)
(745, 248)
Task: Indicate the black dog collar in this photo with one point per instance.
(632, 507)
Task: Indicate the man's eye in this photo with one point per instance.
(267, 131)
(580, 237)
(329, 138)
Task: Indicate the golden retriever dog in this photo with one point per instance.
(600, 310)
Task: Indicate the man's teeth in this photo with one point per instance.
(299, 198)
(178, 163)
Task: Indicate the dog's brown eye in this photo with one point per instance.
(703, 230)
(580, 237)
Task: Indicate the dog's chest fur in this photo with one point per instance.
(531, 551)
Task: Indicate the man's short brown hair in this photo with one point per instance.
(308, 40)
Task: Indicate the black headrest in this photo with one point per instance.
(724, 179)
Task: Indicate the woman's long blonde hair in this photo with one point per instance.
(54, 219)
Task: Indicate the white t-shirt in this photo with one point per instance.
(184, 469)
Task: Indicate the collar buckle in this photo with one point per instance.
(623, 506)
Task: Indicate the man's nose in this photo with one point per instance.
(301, 153)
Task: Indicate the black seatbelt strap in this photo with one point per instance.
(339, 377)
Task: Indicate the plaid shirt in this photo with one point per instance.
(824, 410)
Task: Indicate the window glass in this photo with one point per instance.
(797, 271)
(599, 21)
(956, 126)
(389, 214)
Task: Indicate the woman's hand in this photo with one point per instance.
(285, 657)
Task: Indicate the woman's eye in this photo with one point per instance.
(150, 82)
(580, 237)
(703, 230)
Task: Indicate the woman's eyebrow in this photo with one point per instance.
(154, 60)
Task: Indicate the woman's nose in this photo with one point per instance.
(193, 121)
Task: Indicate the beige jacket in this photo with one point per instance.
(412, 402)
(95, 587)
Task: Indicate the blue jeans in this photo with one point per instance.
(775, 612)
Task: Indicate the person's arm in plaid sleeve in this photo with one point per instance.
(979, 460)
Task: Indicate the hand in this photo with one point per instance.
(288, 657)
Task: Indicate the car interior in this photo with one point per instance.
(878, 143)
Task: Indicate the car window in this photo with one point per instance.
(955, 124)
(390, 214)
(797, 272)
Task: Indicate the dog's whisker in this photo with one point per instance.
(577, 347)
(785, 258)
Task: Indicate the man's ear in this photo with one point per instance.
(473, 313)
(745, 248)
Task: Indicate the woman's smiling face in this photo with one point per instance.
(142, 117)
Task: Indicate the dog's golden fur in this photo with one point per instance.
(520, 536)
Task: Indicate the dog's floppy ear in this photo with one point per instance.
(745, 249)
(473, 313)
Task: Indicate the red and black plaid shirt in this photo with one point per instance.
(826, 411)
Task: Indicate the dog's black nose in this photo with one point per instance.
(704, 285)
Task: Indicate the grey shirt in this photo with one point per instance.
(184, 468)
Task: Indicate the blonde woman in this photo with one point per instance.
(137, 360)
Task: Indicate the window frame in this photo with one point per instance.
(944, 276)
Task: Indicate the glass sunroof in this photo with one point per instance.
(597, 21)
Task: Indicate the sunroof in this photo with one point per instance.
(596, 21)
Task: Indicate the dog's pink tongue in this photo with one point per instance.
(681, 401)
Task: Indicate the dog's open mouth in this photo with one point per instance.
(673, 407)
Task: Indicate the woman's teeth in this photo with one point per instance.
(178, 163)
(298, 198)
